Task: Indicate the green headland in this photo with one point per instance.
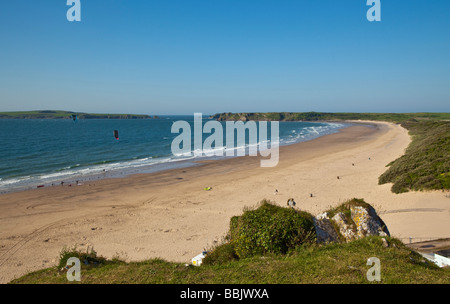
(54, 114)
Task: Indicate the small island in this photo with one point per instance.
(52, 114)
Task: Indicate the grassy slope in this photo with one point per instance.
(426, 162)
(334, 264)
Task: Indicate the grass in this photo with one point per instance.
(425, 164)
(326, 264)
(345, 207)
(302, 262)
(89, 258)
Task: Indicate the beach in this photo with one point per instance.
(169, 215)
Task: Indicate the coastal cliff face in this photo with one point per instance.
(348, 222)
(292, 116)
(256, 116)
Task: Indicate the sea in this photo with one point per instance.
(38, 153)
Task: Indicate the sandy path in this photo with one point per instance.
(168, 215)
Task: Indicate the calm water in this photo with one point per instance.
(44, 152)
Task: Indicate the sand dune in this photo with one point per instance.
(169, 215)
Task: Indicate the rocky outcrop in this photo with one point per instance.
(368, 222)
(325, 230)
(346, 229)
(350, 221)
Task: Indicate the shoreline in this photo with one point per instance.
(168, 215)
(183, 163)
(126, 168)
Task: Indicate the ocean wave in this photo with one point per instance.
(298, 133)
(307, 133)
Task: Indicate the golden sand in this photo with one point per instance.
(169, 215)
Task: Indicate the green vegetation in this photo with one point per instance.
(327, 264)
(426, 162)
(345, 207)
(322, 116)
(295, 259)
(50, 114)
(89, 258)
(270, 229)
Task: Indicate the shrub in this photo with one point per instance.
(221, 254)
(88, 258)
(270, 229)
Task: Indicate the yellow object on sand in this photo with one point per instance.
(207, 188)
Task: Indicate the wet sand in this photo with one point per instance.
(168, 214)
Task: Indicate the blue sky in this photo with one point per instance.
(210, 56)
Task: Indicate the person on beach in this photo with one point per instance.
(291, 203)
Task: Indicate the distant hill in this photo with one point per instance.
(323, 116)
(51, 114)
